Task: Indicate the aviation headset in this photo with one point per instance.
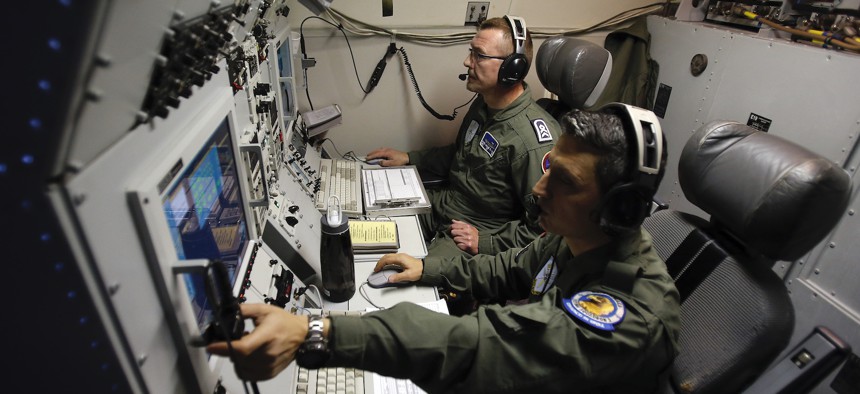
(516, 65)
(626, 204)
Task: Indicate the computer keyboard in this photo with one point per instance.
(330, 380)
(350, 380)
(341, 178)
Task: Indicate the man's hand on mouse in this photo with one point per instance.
(389, 157)
(412, 268)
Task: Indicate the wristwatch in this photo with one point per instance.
(313, 352)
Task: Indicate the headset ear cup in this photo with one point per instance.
(623, 210)
(513, 69)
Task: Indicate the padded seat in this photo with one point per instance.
(573, 69)
(768, 200)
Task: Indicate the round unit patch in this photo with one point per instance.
(598, 310)
(544, 163)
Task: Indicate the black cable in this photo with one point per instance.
(350, 155)
(219, 313)
(421, 97)
(307, 91)
(304, 55)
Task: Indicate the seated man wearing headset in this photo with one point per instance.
(603, 313)
(497, 156)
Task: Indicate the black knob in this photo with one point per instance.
(172, 101)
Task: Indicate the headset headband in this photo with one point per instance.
(643, 127)
(518, 33)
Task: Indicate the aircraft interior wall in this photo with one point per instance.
(370, 119)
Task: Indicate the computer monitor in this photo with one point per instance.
(205, 215)
(190, 209)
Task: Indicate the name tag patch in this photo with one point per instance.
(471, 131)
(545, 277)
(489, 143)
(598, 310)
(541, 130)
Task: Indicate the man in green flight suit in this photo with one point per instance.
(497, 156)
(602, 313)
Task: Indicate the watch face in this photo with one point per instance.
(312, 355)
(313, 352)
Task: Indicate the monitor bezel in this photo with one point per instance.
(146, 203)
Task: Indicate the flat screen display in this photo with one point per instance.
(204, 211)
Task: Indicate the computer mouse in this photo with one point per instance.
(374, 162)
(379, 280)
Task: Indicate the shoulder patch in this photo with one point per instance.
(545, 277)
(544, 163)
(471, 131)
(599, 310)
(541, 130)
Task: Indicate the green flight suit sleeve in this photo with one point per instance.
(436, 161)
(504, 276)
(536, 347)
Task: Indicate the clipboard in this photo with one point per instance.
(394, 191)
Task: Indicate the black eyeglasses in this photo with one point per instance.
(477, 56)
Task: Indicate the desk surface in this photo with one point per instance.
(384, 298)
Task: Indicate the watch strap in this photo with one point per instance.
(313, 352)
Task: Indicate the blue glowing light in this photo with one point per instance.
(54, 44)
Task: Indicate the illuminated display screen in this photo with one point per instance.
(205, 215)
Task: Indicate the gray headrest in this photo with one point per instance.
(573, 69)
(777, 197)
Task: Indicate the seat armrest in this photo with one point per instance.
(431, 180)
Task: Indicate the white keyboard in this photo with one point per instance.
(341, 178)
(330, 380)
(349, 380)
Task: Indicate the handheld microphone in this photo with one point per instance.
(463, 76)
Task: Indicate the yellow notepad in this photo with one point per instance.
(374, 236)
